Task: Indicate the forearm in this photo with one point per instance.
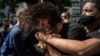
(93, 47)
(72, 46)
(65, 45)
(53, 52)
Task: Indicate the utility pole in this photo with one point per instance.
(81, 6)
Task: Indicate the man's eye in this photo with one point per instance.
(88, 10)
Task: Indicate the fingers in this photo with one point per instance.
(41, 45)
(56, 35)
(39, 35)
(42, 36)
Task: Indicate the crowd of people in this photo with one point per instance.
(5, 27)
(42, 31)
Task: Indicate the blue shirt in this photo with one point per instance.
(17, 44)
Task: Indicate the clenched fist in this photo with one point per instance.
(42, 36)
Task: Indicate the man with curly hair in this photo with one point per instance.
(50, 25)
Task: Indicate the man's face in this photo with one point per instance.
(89, 9)
(6, 23)
(64, 17)
(44, 25)
(89, 14)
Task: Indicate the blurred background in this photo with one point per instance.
(9, 7)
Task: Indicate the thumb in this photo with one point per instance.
(37, 35)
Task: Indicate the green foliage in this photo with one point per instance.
(13, 3)
(2, 4)
(2, 15)
(61, 4)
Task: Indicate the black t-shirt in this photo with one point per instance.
(64, 31)
(95, 34)
(73, 30)
(76, 31)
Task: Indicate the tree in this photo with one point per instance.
(13, 4)
(61, 4)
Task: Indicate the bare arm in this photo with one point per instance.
(88, 47)
(53, 52)
(50, 51)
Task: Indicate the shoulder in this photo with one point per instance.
(74, 20)
(94, 34)
(75, 23)
(15, 30)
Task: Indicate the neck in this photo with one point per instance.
(17, 23)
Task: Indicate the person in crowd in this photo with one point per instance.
(90, 19)
(1, 38)
(5, 28)
(11, 24)
(65, 20)
(72, 28)
(21, 33)
(38, 15)
(65, 17)
(41, 16)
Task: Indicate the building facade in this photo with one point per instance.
(7, 14)
(76, 9)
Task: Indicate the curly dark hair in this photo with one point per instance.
(48, 11)
(27, 24)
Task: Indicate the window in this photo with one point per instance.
(76, 12)
(76, 4)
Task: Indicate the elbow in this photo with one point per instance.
(90, 50)
(81, 53)
(78, 53)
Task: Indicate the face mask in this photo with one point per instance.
(87, 20)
